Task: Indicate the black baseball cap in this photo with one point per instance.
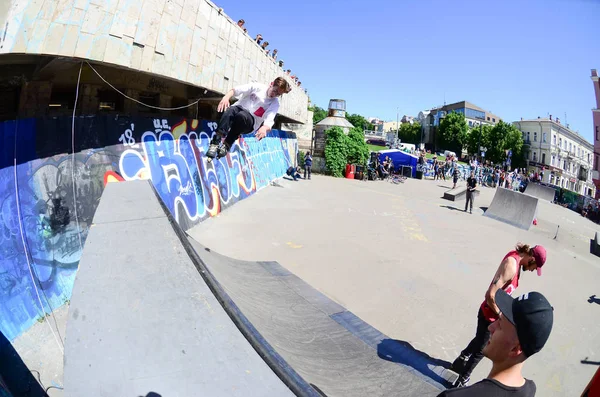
(531, 314)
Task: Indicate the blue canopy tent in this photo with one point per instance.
(400, 158)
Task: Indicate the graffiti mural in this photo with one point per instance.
(47, 203)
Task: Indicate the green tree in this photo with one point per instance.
(513, 140)
(358, 151)
(478, 136)
(358, 121)
(503, 137)
(410, 133)
(453, 132)
(336, 151)
(318, 113)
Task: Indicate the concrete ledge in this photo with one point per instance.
(460, 193)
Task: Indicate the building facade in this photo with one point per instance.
(596, 117)
(474, 115)
(565, 156)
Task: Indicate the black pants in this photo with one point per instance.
(234, 122)
(307, 170)
(470, 199)
(475, 348)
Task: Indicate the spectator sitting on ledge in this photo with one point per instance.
(288, 71)
(241, 23)
(274, 54)
(281, 63)
(245, 30)
(265, 45)
(258, 38)
(299, 83)
(293, 77)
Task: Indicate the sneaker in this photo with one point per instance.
(212, 150)
(459, 364)
(222, 150)
(462, 382)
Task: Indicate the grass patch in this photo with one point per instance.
(376, 148)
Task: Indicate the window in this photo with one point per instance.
(569, 146)
(543, 158)
(544, 137)
(535, 136)
(109, 100)
(523, 133)
(554, 140)
(470, 123)
(488, 119)
(553, 159)
(560, 143)
(474, 114)
(493, 120)
(527, 136)
(534, 156)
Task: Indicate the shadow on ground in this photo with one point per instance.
(483, 209)
(586, 361)
(593, 299)
(445, 187)
(452, 208)
(402, 352)
(16, 376)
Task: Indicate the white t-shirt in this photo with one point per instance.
(253, 97)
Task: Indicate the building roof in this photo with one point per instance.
(335, 122)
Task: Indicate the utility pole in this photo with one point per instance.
(397, 122)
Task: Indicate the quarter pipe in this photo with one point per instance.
(542, 192)
(153, 311)
(512, 207)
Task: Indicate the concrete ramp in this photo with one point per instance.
(459, 193)
(512, 207)
(142, 319)
(544, 193)
(330, 347)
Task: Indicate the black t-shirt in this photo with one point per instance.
(492, 388)
(471, 182)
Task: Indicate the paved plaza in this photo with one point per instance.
(417, 267)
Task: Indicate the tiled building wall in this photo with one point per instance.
(188, 40)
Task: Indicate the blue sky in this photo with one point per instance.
(517, 59)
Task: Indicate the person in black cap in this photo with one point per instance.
(522, 258)
(522, 330)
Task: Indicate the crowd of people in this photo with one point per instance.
(273, 55)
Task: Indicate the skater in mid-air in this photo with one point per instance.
(255, 110)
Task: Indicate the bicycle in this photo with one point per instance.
(396, 178)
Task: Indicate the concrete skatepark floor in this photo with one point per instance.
(416, 268)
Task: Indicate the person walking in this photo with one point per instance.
(523, 257)
(455, 175)
(522, 329)
(471, 185)
(307, 164)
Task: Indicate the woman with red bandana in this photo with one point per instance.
(506, 278)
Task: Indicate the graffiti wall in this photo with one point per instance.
(48, 196)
